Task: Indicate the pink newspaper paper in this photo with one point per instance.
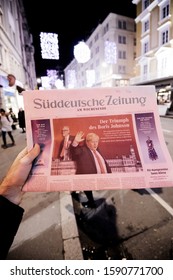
(127, 130)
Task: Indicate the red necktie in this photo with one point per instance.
(99, 162)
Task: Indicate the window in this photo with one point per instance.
(122, 24)
(90, 44)
(97, 62)
(121, 39)
(96, 37)
(164, 64)
(164, 10)
(106, 28)
(119, 24)
(1, 57)
(134, 41)
(146, 3)
(164, 33)
(11, 6)
(1, 17)
(145, 45)
(145, 69)
(122, 54)
(146, 26)
(121, 69)
(97, 49)
(14, 38)
(165, 37)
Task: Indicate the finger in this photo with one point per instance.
(32, 154)
(22, 153)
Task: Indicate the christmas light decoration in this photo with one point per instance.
(71, 79)
(59, 84)
(49, 45)
(45, 82)
(52, 74)
(90, 77)
(110, 52)
(82, 52)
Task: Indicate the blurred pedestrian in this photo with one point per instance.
(6, 127)
(21, 119)
(13, 116)
(12, 82)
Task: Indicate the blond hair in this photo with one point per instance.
(90, 136)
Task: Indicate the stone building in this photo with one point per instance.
(16, 53)
(111, 63)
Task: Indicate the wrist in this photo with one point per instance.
(75, 143)
(13, 194)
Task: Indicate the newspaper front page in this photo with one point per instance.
(122, 124)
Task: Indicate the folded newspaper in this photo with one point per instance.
(122, 124)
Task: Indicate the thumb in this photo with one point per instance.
(31, 155)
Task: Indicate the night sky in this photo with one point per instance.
(72, 22)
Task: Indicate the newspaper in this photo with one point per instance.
(127, 123)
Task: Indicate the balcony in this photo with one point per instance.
(149, 78)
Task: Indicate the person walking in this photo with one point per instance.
(21, 119)
(6, 127)
(13, 116)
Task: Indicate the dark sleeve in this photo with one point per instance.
(10, 218)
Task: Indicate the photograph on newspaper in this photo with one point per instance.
(95, 139)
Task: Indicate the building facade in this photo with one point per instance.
(16, 53)
(112, 48)
(154, 48)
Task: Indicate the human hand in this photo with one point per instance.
(11, 186)
(79, 137)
